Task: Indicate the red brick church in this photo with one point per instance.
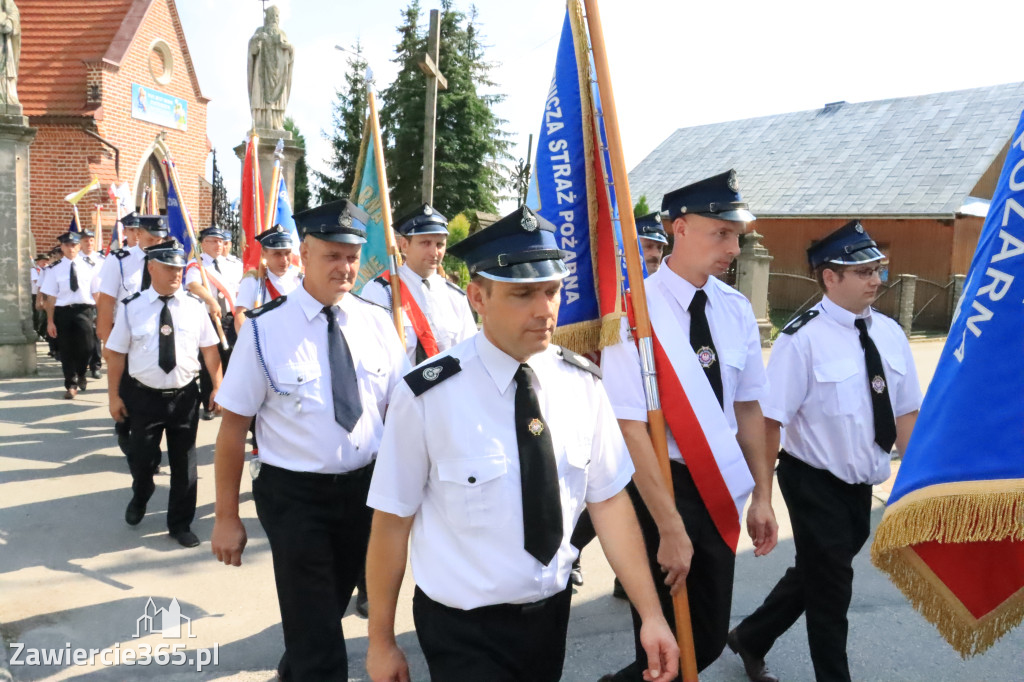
(99, 80)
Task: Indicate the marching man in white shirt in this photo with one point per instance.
(155, 346)
(124, 272)
(437, 313)
(70, 311)
(280, 279)
(317, 369)
(491, 492)
(845, 387)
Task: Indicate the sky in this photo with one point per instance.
(674, 64)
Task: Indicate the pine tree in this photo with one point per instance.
(301, 189)
(470, 145)
(641, 209)
(350, 110)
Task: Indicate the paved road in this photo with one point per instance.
(73, 575)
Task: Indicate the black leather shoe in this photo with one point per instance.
(185, 538)
(82, 382)
(207, 415)
(576, 574)
(618, 591)
(134, 513)
(755, 667)
(94, 373)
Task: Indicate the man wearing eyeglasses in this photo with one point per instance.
(845, 387)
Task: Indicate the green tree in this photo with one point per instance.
(301, 189)
(470, 143)
(641, 209)
(348, 118)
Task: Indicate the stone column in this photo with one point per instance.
(752, 268)
(17, 338)
(292, 152)
(908, 291)
(957, 290)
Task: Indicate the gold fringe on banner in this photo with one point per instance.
(975, 511)
(586, 337)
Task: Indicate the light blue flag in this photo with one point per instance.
(284, 216)
(374, 257)
(176, 218)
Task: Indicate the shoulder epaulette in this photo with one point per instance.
(232, 258)
(579, 361)
(266, 308)
(189, 293)
(798, 324)
(428, 375)
(364, 300)
(120, 254)
(52, 265)
(131, 298)
(455, 286)
(382, 281)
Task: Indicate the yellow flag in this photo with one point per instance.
(75, 197)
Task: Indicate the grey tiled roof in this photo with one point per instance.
(908, 156)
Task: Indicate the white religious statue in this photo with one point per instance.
(10, 33)
(270, 72)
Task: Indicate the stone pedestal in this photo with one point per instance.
(17, 338)
(292, 152)
(908, 293)
(752, 268)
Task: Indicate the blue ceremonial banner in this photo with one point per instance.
(73, 226)
(159, 107)
(952, 537)
(176, 218)
(366, 190)
(570, 191)
(284, 218)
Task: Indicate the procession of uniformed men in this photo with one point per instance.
(489, 458)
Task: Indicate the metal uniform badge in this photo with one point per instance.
(706, 356)
(731, 182)
(878, 384)
(345, 220)
(536, 427)
(529, 221)
(431, 373)
(165, 330)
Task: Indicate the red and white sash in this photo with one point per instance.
(419, 322)
(696, 421)
(212, 277)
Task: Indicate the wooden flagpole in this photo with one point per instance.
(385, 211)
(638, 298)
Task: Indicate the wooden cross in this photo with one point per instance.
(428, 64)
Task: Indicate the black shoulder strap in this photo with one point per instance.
(131, 298)
(276, 303)
(425, 377)
(364, 300)
(797, 324)
(579, 361)
(121, 253)
(454, 286)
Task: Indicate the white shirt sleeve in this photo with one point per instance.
(192, 274)
(610, 465)
(247, 293)
(49, 285)
(620, 365)
(245, 385)
(753, 383)
(120, 338)
(375, 293)
(110, 276)
(403, 465)
(790, 379)
(207, 334)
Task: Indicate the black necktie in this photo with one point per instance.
(703, 344)
(216, 265)
(542, 503)
(344, 387)
(426, 283)
(885, 423)
(145, 275)
(73, 277)
(166, 357)
(87, 260)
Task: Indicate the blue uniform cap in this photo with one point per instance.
(521, 247)
(87, 233)
(650, 227)
(336, 221)
(70, 238)
(275, 238)
(214, 231)
(849, 245)
(170, 252)
(154, 224)
(424, 220)
(130, 220)
(715, 197)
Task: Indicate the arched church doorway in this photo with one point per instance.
(151, 179)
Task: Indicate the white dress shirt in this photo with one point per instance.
(122, 277)
(445, 306)
(249, 287)
(137, 332)
(58, 283)
(737, 343)
(457, 470)
(226, 276)
(821, 393)
(34, 276)
(298, 431)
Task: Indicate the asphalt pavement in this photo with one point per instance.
(74, 576)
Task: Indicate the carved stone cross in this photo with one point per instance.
(428, 64)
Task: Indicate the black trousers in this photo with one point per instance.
(708, 584)
(152, 416)
(583, 534)
(831, 522)
(318, 526)
(75, 337)
(96, 358)
(501, 643)
(205, 380)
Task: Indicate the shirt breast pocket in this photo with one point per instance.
(843, 386)
(301, 381)
(577, 458)
(475, 491)
(733, 362)
(373, 376)
(144, 336)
